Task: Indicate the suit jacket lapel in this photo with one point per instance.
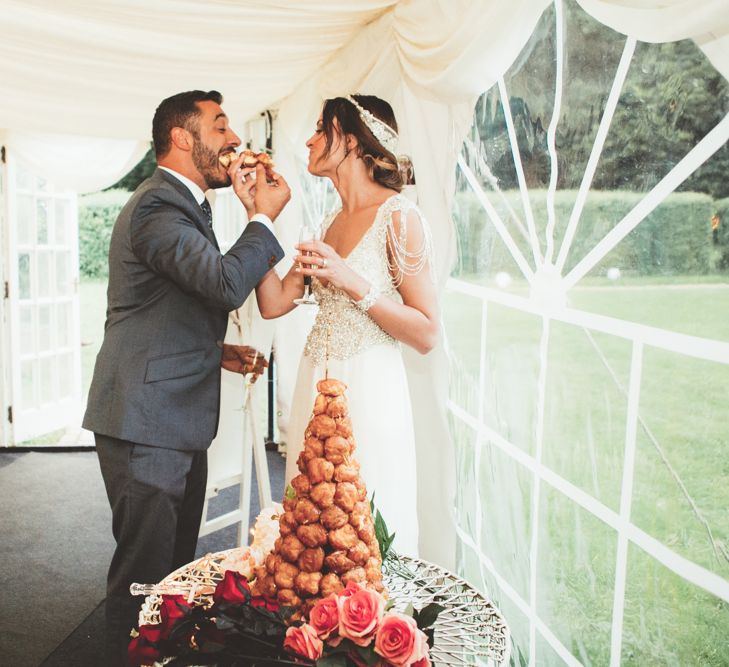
(196, 213)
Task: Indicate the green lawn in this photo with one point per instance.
(683, 408)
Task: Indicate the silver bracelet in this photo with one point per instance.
(368, 300)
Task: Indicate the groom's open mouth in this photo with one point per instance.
(225, 159)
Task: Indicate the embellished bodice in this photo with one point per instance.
(341, 329)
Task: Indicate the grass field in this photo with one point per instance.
(682, 436)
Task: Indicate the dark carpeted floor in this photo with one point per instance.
(55, 545)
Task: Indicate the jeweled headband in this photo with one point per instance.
(382, 131)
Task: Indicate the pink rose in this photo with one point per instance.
(400, 642)
(324, 617)
(423, 662)
(303, 641)
(359, 614)
(350, 589)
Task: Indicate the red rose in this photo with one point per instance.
(142, 650)
(399, 641)
(324, 617)
(303, 641)
(423, 662)
(263, 601)
(359, 614)
(172, 609)
(232, 588)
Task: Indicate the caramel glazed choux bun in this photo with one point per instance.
(327, 531)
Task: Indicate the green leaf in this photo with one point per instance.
(335, 660)
(409, 610)
(367, 654)
(384, 538)
(290, 494)
(428, 615)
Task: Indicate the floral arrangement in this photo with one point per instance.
(354, 628)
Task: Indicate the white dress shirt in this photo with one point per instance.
(199, 195)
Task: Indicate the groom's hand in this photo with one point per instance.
(270, 198)
(244, 185)
(243, 359)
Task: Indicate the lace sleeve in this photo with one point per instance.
(409, 243)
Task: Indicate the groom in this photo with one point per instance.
(155, 396)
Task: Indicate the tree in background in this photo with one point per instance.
(671, 98)
(143, 170)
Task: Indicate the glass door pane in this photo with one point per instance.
(44, 342)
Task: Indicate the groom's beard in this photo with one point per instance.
(206, 162)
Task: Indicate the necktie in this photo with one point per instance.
(205, 206)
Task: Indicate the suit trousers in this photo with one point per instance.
(156, 497)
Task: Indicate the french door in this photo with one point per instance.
(41, 333)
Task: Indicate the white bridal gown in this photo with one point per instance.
(355, 350)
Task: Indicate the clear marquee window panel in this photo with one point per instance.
(589, 349)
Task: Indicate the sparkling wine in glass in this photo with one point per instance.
(308, 232)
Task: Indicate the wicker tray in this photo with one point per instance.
(470, 631)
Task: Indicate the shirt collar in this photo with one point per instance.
(192, 187)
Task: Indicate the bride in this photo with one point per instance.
(373, 279)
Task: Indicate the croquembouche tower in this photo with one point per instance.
(327, 531)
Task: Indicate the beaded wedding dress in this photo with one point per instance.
(346, 344)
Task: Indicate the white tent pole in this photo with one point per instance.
(495, 219)
(523, 189)
(701, 152)
(596, 152)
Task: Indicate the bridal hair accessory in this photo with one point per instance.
(382, 131)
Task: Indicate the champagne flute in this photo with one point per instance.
(307, 233)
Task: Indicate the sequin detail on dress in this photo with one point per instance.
(341, 330)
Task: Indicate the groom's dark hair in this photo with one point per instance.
(180, 110)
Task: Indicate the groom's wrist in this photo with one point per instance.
(264, 220)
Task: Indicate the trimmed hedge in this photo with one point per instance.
(674, 239)
(97, 213)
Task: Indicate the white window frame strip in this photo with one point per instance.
(596, 152)
(626, 501)
(552, 132)
(496, 220)
(523, 189)
(536, 484)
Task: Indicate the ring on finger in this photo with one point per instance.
(323, 264)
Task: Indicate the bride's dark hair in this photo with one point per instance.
(381, 163)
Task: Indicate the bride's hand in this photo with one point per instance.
(325, 263)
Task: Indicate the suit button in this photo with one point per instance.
(271, 261)
(219, 343)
